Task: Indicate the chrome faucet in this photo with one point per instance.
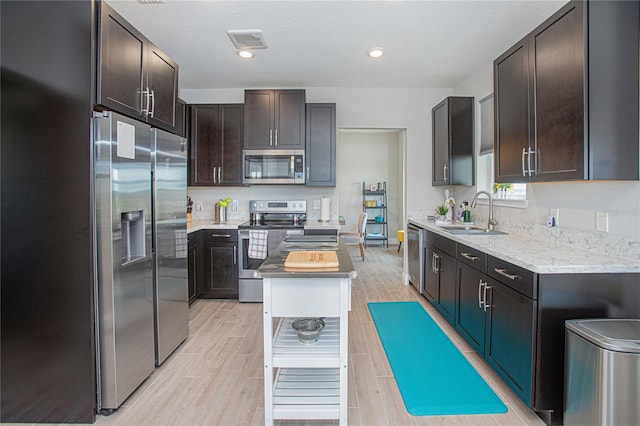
(491, 220)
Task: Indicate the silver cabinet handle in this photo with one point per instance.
(524, 152)
(270, 137)
(435, 263)
(444, 169)
(503, 272)
(220, 236)
(214, 175)
(484, 297)
(481, 285)
(307, 172)
(146, 94)
(469, 256)
(219, 174)
(152, 109)
(529, 161)
(276, 137)
(235, 255)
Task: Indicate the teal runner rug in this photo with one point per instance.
(434, 378)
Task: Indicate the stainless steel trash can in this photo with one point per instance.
(602, 372)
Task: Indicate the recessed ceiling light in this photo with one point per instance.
(375, 52)
(246, 54)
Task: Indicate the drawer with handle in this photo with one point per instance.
(472, 257)
(222, 236)
(519, 279)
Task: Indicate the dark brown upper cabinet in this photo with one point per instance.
(274, 119)
(453, 162)
(215, 145)
(321, 145)
(566, 97)
(134, 77)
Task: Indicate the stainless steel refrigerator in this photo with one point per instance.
(142, 298)
(171, 293)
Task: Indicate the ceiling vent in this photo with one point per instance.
(247, 39)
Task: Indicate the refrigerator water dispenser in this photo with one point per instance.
(133, 236)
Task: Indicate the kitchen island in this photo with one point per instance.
(306, 380)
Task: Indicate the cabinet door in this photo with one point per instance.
(204, 145)
(512, 120)
(120, 64)
(162, 82)
(289, 119)
(231, 142)
(194, 269)
(470, 315)
(321, 144)
(446, 266)
(440, 117)
(431, 285)
(510, 337)
(258, 119)
(557, 66)
(222, 271)
(181, 118)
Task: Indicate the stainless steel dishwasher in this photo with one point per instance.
(415, 236)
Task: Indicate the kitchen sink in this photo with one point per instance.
(469, 230)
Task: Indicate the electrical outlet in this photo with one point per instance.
(602, 221)
(234, 205)
(198, 206)
(316, 204)
(555, 213)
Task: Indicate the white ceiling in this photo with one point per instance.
(324, 43)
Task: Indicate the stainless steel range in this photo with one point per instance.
(278, 219)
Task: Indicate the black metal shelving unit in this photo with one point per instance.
(374, 203)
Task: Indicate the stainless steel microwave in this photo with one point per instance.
(273, 166)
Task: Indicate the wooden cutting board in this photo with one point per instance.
(312, 259)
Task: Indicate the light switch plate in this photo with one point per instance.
(555, 214)
(198, 206)
(234, 205)
(602, 221)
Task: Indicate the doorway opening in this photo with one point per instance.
(372, 156)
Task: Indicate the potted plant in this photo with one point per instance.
(442, 212)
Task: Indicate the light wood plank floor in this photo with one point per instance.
(215, 376)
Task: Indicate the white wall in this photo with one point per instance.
(369, 157)
(357, 108)
(578, 201)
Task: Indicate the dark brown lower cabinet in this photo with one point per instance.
(221, 265)
(509, 342)
(515, 318)
(440, 274)
(470, 318)
(195, 263)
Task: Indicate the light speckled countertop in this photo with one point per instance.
(540, 256)
(200, 224)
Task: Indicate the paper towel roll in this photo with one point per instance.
(325, 207)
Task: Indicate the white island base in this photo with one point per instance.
(302, 380)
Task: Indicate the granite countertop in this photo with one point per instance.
(199, 224)
(316, 224)
(540, 256)
(273, 266)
